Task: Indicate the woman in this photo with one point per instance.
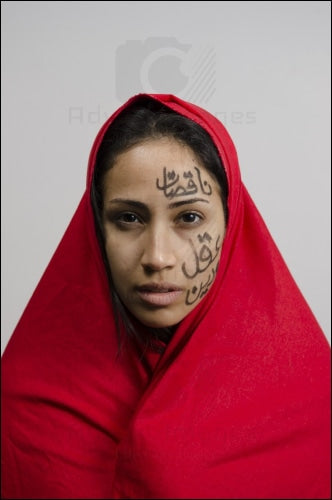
(167, 351)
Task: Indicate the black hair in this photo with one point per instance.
(148, 119)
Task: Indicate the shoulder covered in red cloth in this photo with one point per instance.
(238, 406)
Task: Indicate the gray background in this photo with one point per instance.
(262, 67)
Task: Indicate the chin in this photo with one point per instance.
(158, 324)
(158, 321)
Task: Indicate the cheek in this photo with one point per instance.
(120, 258)
(201, 284)
(201, 266)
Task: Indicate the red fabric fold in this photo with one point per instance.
(238, 406)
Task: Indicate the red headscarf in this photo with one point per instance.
(238, 406)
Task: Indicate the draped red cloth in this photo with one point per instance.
(238, 406)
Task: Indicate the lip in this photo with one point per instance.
(159, 294)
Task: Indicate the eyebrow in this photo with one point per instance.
(132, 203)
(139, 204)
(176, 204)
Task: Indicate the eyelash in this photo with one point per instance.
(198, 218)
(180, 219)
(119, 219)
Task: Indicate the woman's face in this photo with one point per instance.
(164, 227)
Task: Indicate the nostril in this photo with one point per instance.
(149, 269)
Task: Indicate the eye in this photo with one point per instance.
(190, 218)
(127, 218)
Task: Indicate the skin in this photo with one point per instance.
(164, 226)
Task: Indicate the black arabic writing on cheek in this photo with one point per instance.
(203, 257)
(194, 294)
(172, 188)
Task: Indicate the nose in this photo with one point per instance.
(158, 253)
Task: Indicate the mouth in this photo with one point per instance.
(159, 294)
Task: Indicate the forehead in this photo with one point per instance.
(155, 153)
(151, 160)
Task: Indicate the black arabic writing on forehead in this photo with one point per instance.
(191, 183)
